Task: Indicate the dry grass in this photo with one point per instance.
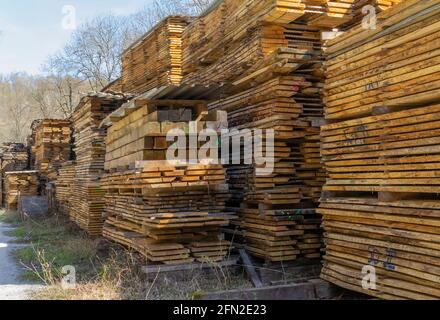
(104, 270)
(115, 278)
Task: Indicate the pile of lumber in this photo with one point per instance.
(13, 157)
(142, 134)
(280, 91)
(395, 158)
(18, 184)
(64, 186)
(380, 203)
(282, 234)
(385, 67)
(155, 60)
(170, 214)
(269, 46)
(216, 35)
(395, 152)
(356, 10)
(51, 144)
(87, 200)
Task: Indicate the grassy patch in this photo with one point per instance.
(9, 217)
(104, 270)
(53, 244)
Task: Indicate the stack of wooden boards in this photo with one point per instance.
(169, 213)
(87, 199)
(51, 144)
(17, 184)
(233, 37)
(64, 183)
(156, 59)
(386, 67)
(142, 134)
(270, 61)
(13, 157)
(381, 204)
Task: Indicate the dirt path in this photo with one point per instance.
(11, 288)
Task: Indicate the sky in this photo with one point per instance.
(32, 30)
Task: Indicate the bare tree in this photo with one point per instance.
(66, 92)
(15, 100)
(24, 98)
(94, 51)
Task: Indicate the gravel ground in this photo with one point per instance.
(11, 287)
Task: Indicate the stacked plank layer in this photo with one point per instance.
(385, 67)
(13, 157)
(142, 134)
(87, 200)
(169, 214)
(381, 204)
(234, 37)
(64, 183)
(51, 145)
(18, 184)
(345, 14)
(156, 59)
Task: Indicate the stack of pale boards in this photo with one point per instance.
(401, 239)
(380, 204)
(397, 156)
(347, 13)
(385, 66)
(51, 144)
(86, 203)
(13, 157)
(278, 221)
(170, 214)
(64, 186)
(141, 135)
(394, 152)
(18, 184)
(155, 60)
(282, 235)
(234, 35)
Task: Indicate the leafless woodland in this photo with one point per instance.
(88, 62)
